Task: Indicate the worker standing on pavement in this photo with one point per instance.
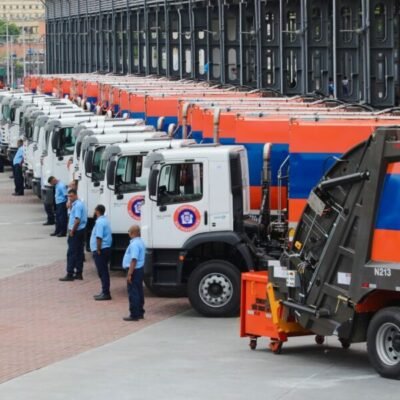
(61, 207)
(133, 261)
(100, 246)
(76, 236)
(17, 166)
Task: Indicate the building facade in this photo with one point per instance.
(350, 47)
(29, 15)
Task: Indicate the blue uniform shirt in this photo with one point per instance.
(61, 193)
(136, 250)
(78, 210)
(19, 156)
(101, 230)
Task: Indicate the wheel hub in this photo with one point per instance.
(215, 290)
(396, 343)
(388, 343)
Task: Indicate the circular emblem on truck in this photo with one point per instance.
(134, 207)
(187, 218)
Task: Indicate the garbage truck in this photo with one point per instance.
(341, 274)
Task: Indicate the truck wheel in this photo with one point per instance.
(214, 289)
(383, 342)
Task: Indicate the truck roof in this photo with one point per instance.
(209, 151)
(125, 136)
(147, 145)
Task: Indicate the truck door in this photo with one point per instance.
(128, 196)
(182, 208)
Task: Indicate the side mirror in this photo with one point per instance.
(111, 173)
(153, 181)
(96, 184)
(89, 162)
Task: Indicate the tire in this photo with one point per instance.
(214, 289)
(383, 342)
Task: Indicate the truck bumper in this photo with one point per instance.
(28, 179)
(36, 187)
(48, 195)
(11, 152)
(3, 150)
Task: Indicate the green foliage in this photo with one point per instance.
(12, 30)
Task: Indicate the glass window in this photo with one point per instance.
(67, 141)
(347, 26)
(269, 25)
(97, 172)
(202, 56)
(175, 59)
(180, 183)
(231, 25)
(380, 22)
(188, 61)
(317, 24)
(129, 176)
(163, 58)
(216, 62)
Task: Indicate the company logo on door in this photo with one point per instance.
(187, 218)
(134, 207)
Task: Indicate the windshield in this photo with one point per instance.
(97, 172)
(130, 175)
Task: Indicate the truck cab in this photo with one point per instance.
(57, 145)
(125, 180)
(39, 145)
(88, 128)
(193, 217)
(93, 171)
(31, 128)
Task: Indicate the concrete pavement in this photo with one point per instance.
(189, 357)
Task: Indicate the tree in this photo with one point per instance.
(13, 30)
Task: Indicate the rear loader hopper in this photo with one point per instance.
(341, 274)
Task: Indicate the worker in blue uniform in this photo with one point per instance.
(133, 262)
(76, 237)
(61, 207)
(17, 166)
(100, 246)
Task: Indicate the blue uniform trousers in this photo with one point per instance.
(18, 179)
(102, 260)
(75, 254)
(136, 294)
(61, 218)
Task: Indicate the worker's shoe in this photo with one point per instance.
(130, 319)
(54, 234)
(49, 223)
(67, 278)
(61, 234)
(102, 297)
(79, 277)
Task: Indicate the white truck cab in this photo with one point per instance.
(10, 124)
(90, 128)
(93, 171)
(34, 119)
(39, 148)
(125, 183)
(56, 145)
(193, 217)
